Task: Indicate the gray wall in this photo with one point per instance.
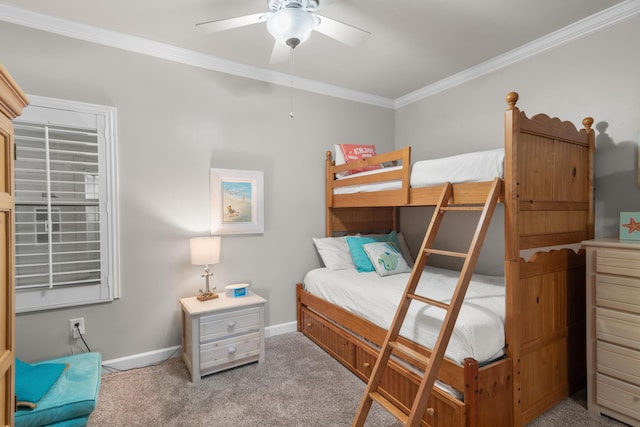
(593, 76)
(175, 122)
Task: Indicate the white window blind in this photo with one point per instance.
(66, 210)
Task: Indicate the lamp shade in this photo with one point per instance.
(205, 250)
(291, 26)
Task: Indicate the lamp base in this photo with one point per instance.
(206, 296)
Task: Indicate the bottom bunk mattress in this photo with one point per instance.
(479, 330)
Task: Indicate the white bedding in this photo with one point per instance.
(479, 331)
(362, 188)
(468, 167)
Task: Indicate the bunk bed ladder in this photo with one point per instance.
(452, 309)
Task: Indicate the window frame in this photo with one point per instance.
(44, 110)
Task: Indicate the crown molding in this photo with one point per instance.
(584, 27)
(144, 46)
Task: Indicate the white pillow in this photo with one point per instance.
(405, 250)
(386, 258)
(334, 252)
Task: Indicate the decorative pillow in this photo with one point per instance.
(346, 153)
(386, 258)
(406, 253)
(334, 252)
(359, 256)
(34, 381)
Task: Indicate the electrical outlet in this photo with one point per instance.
(72, 327)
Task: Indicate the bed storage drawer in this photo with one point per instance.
(328, 336)
(619, 396)
(443, 410)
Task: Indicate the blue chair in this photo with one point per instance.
(71, 399)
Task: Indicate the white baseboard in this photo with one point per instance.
(151, 357)
(283, 328)
(139, 360)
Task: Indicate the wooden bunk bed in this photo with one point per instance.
(548, 201)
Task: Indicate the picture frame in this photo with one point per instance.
(237, 201)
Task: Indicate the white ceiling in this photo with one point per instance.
(414, 44)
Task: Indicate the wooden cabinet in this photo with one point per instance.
(12, 101)
(222, 333)
(613, 328)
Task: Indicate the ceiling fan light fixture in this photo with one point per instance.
(291, 26)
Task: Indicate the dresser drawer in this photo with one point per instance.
(223, 325)
(229, 350)
(618, 261)
(618, 362)
(620, 293)
(618, 395)
(618, 327)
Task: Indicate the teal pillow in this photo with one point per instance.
(34, 381)
(359, 256)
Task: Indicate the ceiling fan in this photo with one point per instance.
(290, 22)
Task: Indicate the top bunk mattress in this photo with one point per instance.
(479, 330)
(468, 167)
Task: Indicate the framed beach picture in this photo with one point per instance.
(237, 201)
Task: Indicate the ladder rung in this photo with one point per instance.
(446, 253)
(418, 359)
(442, 305)
(462, 208)
(389, 407)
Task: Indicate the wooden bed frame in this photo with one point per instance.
(548, 199)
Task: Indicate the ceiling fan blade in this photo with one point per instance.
(227, 24)
(342, 32)
(324, 3)
(280, 53)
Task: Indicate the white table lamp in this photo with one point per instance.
(205, 251)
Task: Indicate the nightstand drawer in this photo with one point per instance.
(229, 350)
(618, 362)
(620, 293)
(620, 262)
(618, 327)
(618, 395)
(224, 325)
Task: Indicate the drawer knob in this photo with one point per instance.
(366, 365)
(431, 412)
(232, 350)
(309, 325)
(231, 324)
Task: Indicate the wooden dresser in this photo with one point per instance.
(613, 328)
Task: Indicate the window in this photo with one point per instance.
(66, 205)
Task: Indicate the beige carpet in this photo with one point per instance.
(298, 385)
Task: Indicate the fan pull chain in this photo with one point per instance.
(291, 56)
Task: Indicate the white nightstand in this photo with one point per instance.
(222, 333)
